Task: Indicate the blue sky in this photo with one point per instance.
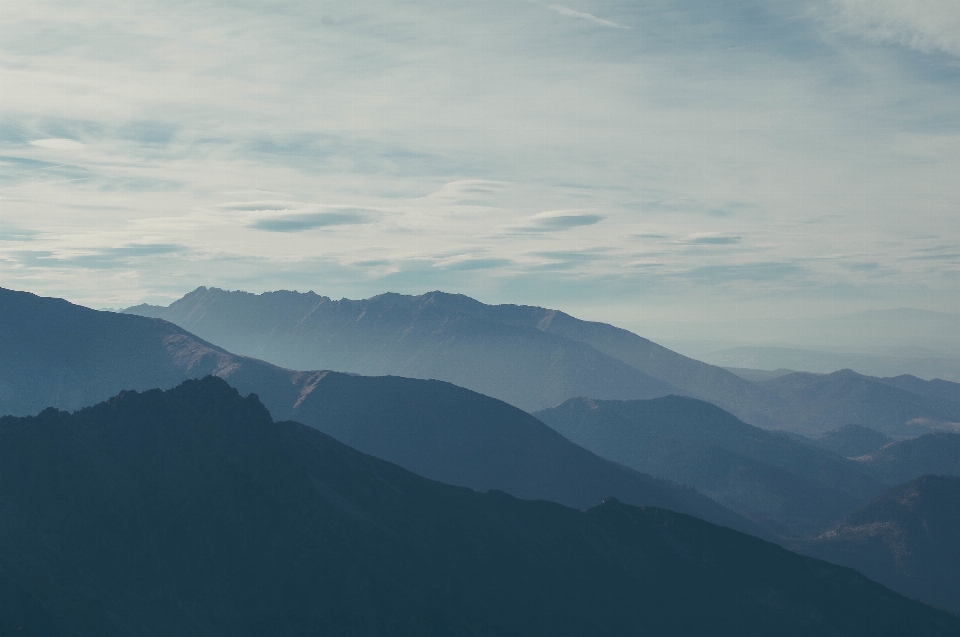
(626, 161)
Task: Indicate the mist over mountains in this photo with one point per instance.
(765, 475)
(674, 452)
(434, 428)
(531, 357)
(907, 538)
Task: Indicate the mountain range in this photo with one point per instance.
(907, 538)
(904, 460)
(66, 356)
(191, 512)
(533, 358)
(766, 475)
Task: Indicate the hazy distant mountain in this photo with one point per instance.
(190, 512)
(851, 441)
(531, 357)
(904, 333)
(936, 388)
(820, 402)
(63, 355)
(936, 453)
(908, 538)
(57, 354)
(437, 335)
(917, 361)
(758, 375)
(763, 474)
(528, 356)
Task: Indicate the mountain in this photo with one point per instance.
(918, 361)
(458, 436)
(908, 538)
(434, 336)
(62, 355)
(820, 402)
(758, 375)
(531, 357)
(851, 441)
(190, 512)
(936, 388)
(764, 475)
(897, 462)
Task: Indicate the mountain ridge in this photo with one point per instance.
(203, 516)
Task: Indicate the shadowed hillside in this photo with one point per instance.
(936, 453)
(765, 475)
(190, 512)
(851, 441)
(820, 402)
(436, 429)
(908, 538)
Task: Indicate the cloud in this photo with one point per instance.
(100, 259)
(570, 13)
(299, 222)
(466, 263)
(14, 233)
(467, 190)
(924, 25)
(58, 143)
(556, 221)
(712, 239)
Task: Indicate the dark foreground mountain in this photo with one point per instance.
(190, 512)
(908, 538)
(765, 475)
(531, 357)
(66, 356)
(937, 453)
(851, 441)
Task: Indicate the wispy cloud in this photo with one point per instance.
(299, 222)
(58, 144)
(925, 25)
(712, 239)
(556, 221)
(570, 13)
(433, 133)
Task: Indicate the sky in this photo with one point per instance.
(644, 163)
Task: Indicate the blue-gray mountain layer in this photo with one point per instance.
(56, 354)
(531, 357)
(191, 512)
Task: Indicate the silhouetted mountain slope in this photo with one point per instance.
(418, 337)
(57, 354)
(936, 453)
(851, 441)
(908, 538)
(53, 339)
(820, 402)
(189, 512)
(457, 436)
(765, 475)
